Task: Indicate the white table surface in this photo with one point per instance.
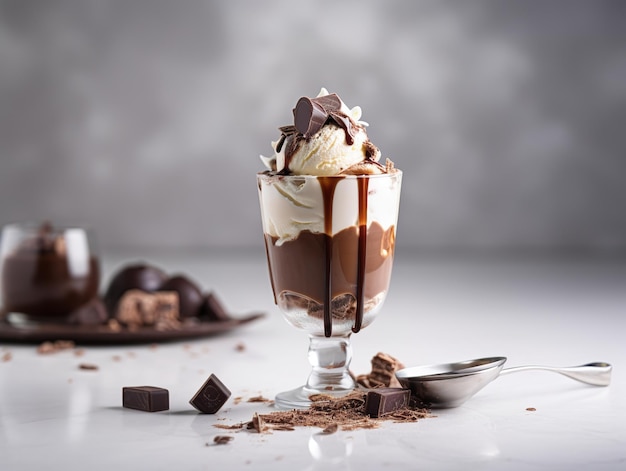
(558, 312)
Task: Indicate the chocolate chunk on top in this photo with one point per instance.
(383, 401)
(211, 396)
(145, 398)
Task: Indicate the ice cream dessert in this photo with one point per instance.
(329, 212)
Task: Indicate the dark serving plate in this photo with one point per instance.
(103, 335)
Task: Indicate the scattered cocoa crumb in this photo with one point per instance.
(154, 346)
(237, 400)
(48, 347)
(531, 409)
(259, 399)
(88, 366)
(79, 352)
(7, 356)
(329, 413)
(116, 358)
(222, 439)
(283, 428)
(114, 325)
(240, 347)
(332, 428)
(231, 427)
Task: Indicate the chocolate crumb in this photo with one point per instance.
(531, 409)
(114, 325)
(88, 366)
(332, 428)
(222, 439)
(259, 399)
(7, 356)
(240, 347)
(48, 347)
(79, 352)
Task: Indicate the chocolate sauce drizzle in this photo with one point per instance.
(329, 184)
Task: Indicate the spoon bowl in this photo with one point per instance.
(451, 384)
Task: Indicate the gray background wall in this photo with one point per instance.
(145, 119)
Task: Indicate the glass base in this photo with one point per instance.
(329, 358)
(299, 398)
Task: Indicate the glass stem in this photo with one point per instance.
(330, 359)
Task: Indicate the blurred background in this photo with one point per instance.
(145, 119)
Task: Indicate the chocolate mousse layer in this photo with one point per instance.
(314, 268)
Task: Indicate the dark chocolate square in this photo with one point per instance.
(146, 398)
(211, 396)
(384, 401)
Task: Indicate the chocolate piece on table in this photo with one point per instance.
(383, 372)
(213, 310)
(384, 401)
(146, 398)
(190, 296)
(211, 396)
(140, 276)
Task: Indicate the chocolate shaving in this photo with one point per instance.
(257, 423)
(48, 347)
(222, 439)
(309, 116)
(327, 412)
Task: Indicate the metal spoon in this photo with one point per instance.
(451, 384)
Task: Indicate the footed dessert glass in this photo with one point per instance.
(330, 243)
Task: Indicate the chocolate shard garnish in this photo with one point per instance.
(211, 396)
(145, 398)
(346, 123)
(383, 401)
(309, 117)
(330, 102)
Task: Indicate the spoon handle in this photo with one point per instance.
(597, 373)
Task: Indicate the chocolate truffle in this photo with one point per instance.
(213, 310)
(139, 276)
(190, 296)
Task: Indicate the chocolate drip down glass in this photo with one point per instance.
(330, 242)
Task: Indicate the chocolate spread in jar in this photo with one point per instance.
(41, 280)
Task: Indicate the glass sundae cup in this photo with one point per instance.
(330, 243)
